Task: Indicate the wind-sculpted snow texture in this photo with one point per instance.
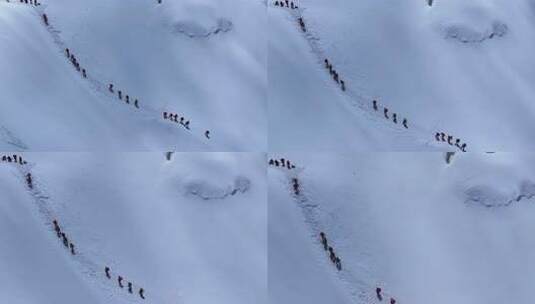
(399, 221)
(121, 210)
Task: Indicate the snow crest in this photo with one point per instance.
(208, 191)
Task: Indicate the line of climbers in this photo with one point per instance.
(75, 62)
(120, 95)
(394, 115)
(32, 2)
(61, 235)
(285, 163)
(289, 4)
(295, 185)
(441, 136)
(14, 159)
(336, 78)
(120, 280)
(378, 292)
(334, 74)
(174, 118)
(185, 123)
(334, 259)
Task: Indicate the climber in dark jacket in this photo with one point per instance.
(338, 263)
(141, 293)
(378, 292)
(323, 239)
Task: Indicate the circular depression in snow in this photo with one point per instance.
(488, 196)
(198, 29)
(209, 191)
(466, 34)
(470, 23)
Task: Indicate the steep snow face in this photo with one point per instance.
(130, 211)
(402, 222)
(33, 268)
(307, 110)
(412, 59)
(204, 60)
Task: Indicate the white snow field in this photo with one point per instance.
(137, 214)
(465, 68)
(423, 230)
(204, 60)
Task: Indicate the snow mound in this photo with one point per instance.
(490, 197)
(467, 34)
(208, 191)
(194, 29)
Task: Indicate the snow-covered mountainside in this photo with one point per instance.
(202, 60)
(465, 68)
(422, 230)
(136, 214)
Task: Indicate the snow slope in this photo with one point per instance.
(405, 222)
(135, 213)
(456, 67)
(217, 81)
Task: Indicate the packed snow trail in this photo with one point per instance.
(92, 269)
(358, 287)
(84, 103)
(96, 84)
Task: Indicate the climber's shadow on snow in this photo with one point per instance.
(208, 191)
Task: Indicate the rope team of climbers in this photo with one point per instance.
(60, 233)
(328, 65)
(333, 257)
(74, 61)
